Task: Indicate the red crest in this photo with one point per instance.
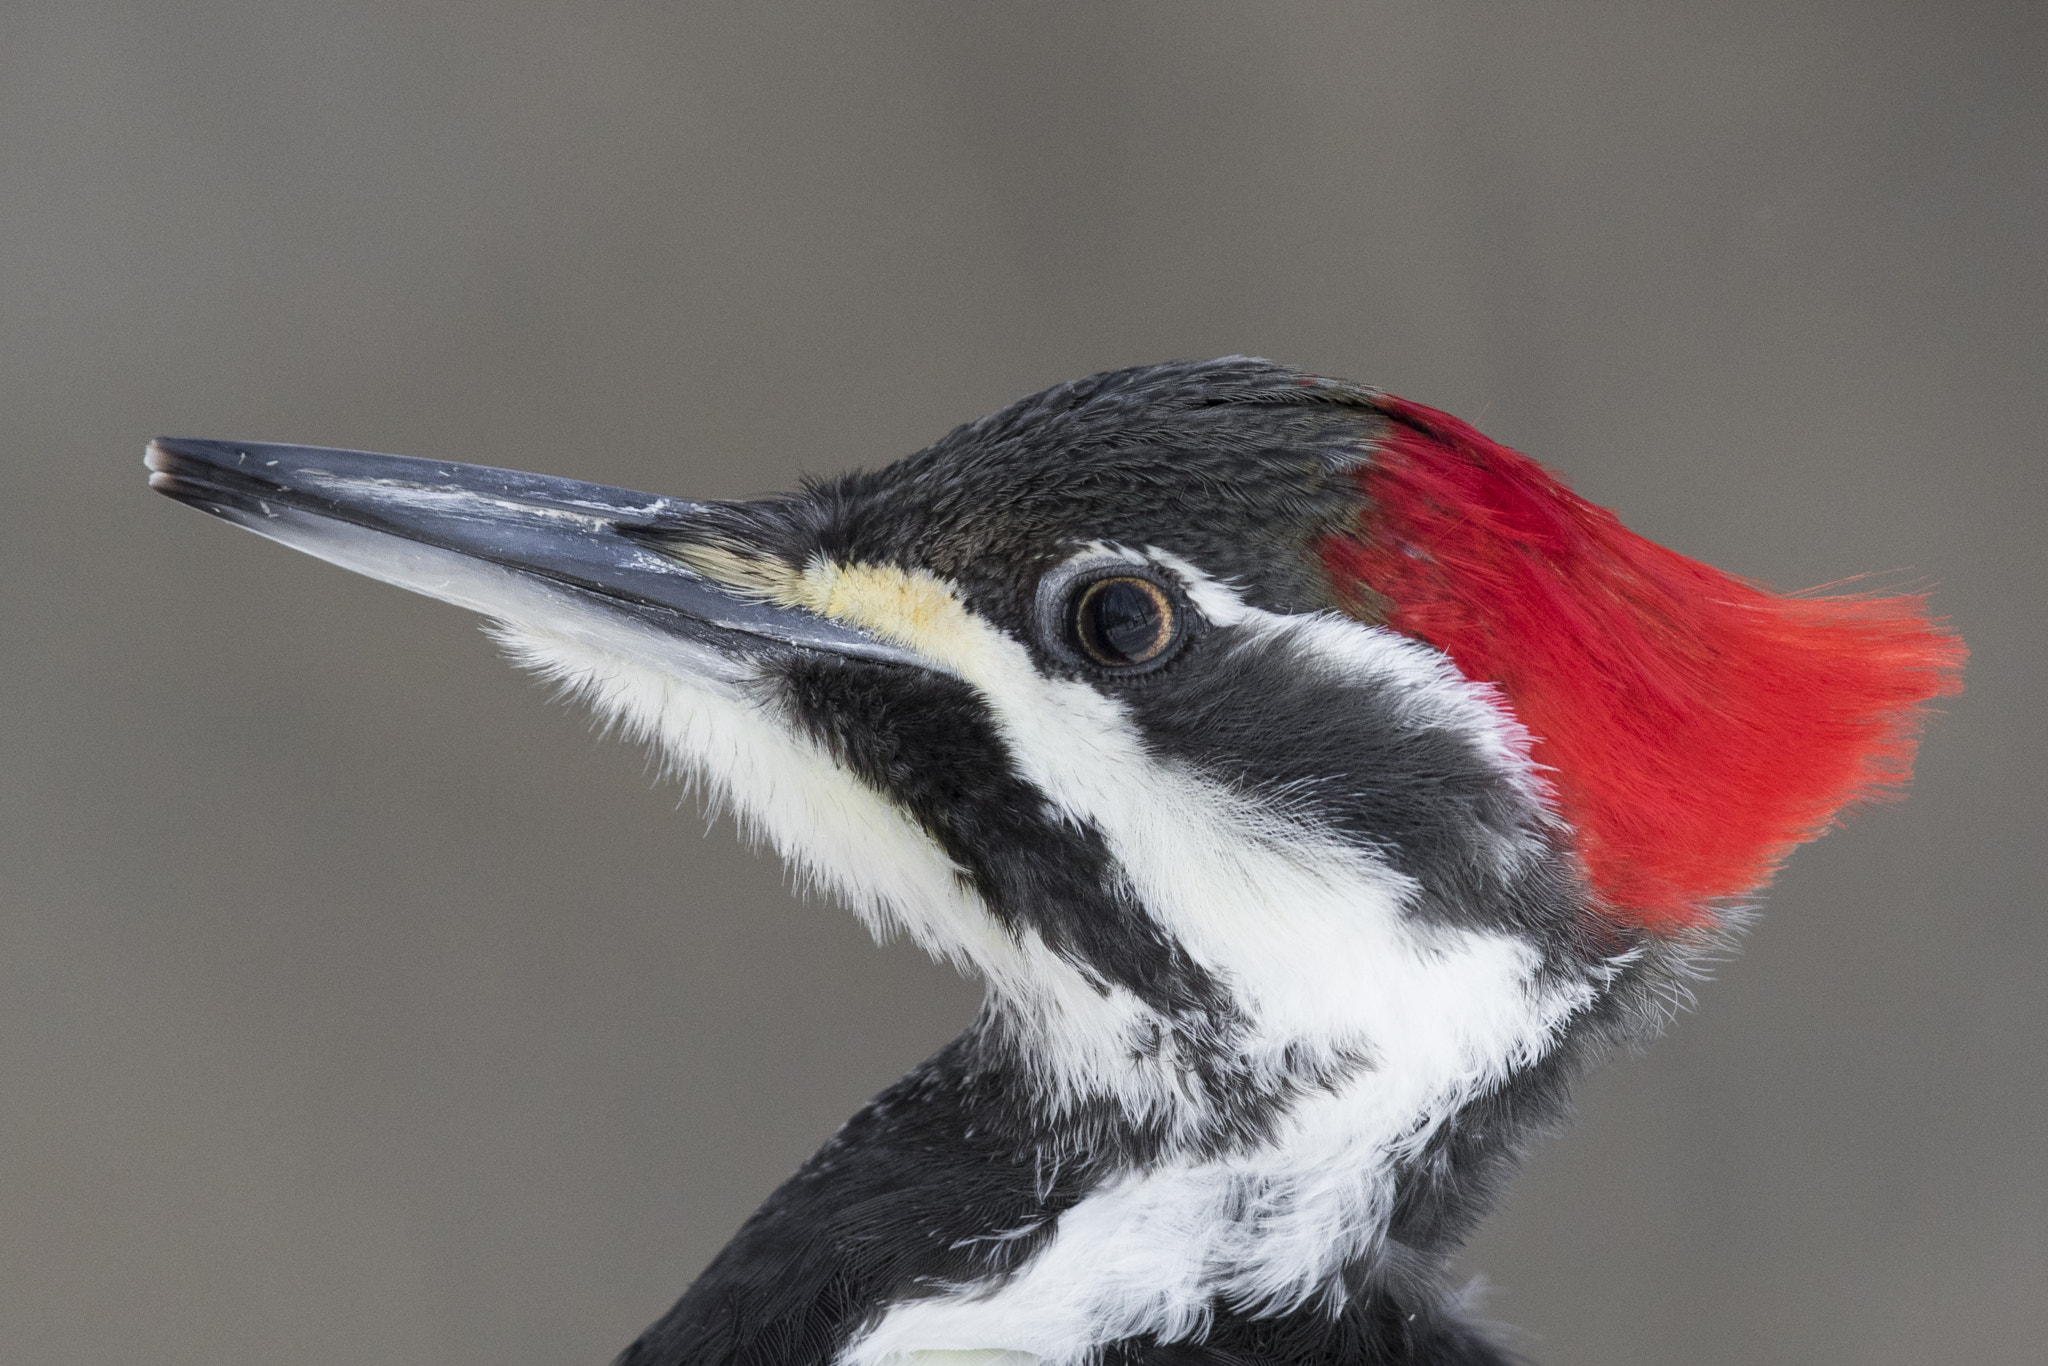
(1696, 726)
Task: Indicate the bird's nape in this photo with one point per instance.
(1316, 786)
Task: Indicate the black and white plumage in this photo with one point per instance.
(1290, 941)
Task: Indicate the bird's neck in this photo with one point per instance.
(1307, 1201)
(980, 1218)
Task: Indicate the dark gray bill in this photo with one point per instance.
(519, 547)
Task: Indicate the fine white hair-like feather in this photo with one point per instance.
(1306, 932)
(1309, 936)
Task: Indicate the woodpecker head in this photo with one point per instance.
(1263, 741)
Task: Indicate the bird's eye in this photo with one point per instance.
(1124, 620)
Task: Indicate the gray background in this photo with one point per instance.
(356, 1005)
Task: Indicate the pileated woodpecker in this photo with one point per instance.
(1316, 785)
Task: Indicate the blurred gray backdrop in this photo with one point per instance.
(358, 1005)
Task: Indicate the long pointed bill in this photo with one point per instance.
(552, 554)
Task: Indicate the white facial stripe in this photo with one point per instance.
(1306, 932)
(696, 705)
(1217, 599)
(1436, 693)
(837, 833)
(834, 830)
(1290, 915)
(1267, 1230)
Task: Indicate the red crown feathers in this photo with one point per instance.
(1697, 726)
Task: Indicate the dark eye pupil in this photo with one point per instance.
(1123, 621)
(1126, 619)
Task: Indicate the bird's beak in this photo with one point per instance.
(530, 549)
